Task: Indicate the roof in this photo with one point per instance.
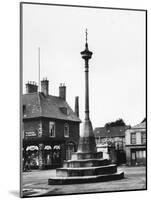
(117, 131)
(38, 105)
(140, 126)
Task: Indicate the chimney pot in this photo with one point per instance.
(62, 91)
(31, 87)
(45, 86)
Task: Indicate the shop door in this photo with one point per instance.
(48, 157)
(56, 161)
(133, 158)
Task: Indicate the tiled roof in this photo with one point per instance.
(118, 131)
(38, 105)
(140, 126)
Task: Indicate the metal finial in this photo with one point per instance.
(86, 34)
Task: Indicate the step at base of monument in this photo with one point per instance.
(89, 155)
(85, 179)
(85, 163)
(86, 171)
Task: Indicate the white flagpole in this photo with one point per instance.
(39, 69)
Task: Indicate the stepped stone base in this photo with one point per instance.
(85, 179)
(86, 167)
(90, 155)
(86, 171)
(85, 163)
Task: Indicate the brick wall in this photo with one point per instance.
(31, 129)
(59, 130)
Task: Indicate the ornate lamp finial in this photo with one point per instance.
(86, 54)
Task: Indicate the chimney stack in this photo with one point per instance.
(31, 87)
(45, 87)
(62, 91)
(77, 106)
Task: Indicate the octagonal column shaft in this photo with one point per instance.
(86, 90)
(87, 140)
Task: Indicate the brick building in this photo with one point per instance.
(50, 126)
(135, 139)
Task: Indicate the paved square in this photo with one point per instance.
(35, 183)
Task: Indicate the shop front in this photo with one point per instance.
(46, 156)
(138, 157)
(41, 157)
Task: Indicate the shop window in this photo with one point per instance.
(144, 154)
(143, 138)
(133, 138)
(133, 155)
(52, 129)
(66, 130)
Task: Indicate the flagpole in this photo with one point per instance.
(39, 69)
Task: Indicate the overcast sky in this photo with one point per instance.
(117, 67)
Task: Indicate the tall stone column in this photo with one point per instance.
(41, 156)
(87, 140)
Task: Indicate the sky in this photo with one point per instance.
(116, 69)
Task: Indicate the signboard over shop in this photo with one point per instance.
(30, 133)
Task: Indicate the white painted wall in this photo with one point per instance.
(138, 135)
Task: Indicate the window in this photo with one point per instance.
(66, 130)
(52, 129)
(143, 138)
(133, 138)
(64, 110)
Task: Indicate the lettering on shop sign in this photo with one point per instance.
(30, 133)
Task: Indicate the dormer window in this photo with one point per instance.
(64, 110)
(66, 130)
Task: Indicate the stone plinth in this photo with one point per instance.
(86, 163)
(84, 168)
(86, 171)
(87, 139)
(85, 179)
(81, 155)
